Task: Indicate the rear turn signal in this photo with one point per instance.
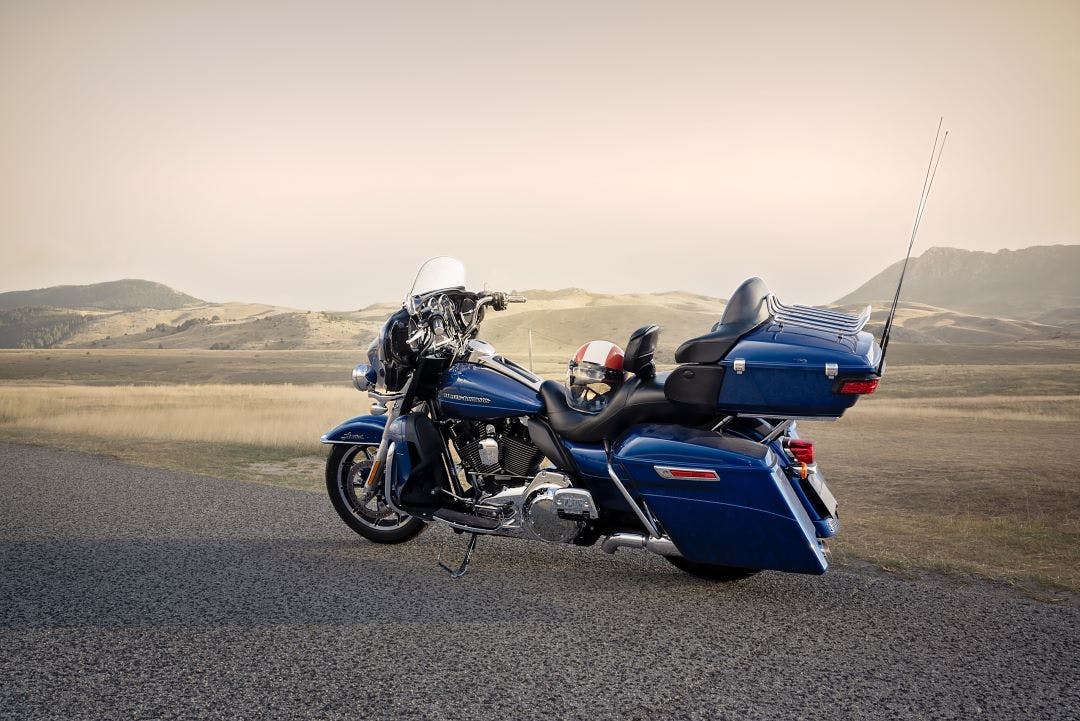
(801, 450)
(858, 388)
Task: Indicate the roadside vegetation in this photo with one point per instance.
(955, 468)
(37, 327)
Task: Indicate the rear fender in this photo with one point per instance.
(356, 431)
(755, 429)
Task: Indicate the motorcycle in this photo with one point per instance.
(703, 464)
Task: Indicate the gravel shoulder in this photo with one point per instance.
(127, 591)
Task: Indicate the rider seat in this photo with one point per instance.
(640, 399)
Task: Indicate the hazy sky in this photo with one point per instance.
(313, 153)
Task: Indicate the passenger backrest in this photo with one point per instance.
(638, 358)
(747, 305)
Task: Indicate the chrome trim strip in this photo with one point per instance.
(645, 521)
(491, 363)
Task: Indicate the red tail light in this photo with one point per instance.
(858, 388)
(692, 474)
(802, 450)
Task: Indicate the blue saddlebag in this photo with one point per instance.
(743, 511)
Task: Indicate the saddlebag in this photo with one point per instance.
(723, 500)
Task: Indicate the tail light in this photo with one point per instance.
(690, 474)
(801, 450)
(857, 387)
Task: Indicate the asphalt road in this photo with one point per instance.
(130, 592)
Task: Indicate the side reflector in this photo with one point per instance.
(693, 474)
(858, 388)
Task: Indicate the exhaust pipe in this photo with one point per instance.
(662, 545)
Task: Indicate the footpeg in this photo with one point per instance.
(466, 521)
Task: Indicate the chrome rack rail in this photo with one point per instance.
(804, 316)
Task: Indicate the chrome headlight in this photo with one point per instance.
(360, 377)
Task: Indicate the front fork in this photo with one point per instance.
(379, 463)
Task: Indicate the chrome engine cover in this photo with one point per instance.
(547, 509)
(541, 518)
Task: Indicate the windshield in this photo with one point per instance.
(442, 273)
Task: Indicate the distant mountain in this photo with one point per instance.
(560, 321)
(127, 294)
(950, 297)
(1021, 284)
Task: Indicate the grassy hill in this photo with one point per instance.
(951, 297)
(1022, 284)
(128, 294)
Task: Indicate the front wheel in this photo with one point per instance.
(711, 572)
(365, 511)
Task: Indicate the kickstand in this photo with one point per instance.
(464, 562)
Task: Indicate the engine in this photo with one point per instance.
(528, 503)
(499, 449)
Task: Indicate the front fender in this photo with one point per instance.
(362, 429)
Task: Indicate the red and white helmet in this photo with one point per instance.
(596, 372)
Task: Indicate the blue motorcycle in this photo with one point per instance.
(702, 465)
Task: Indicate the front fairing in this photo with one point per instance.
(435, 275)
(396, 359)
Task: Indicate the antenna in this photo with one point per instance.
(928, 183)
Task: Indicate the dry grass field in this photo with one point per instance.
(983, 484)
(170, 366)
(953, 467)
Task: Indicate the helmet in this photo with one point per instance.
(596, 372)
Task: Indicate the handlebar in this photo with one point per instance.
(499, 301)
(436, 334)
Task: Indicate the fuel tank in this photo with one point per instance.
(474, 391)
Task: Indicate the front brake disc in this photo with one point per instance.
(363, 495)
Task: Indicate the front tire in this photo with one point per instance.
(365, 512)
(711, 572)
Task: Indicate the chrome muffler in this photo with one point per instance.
(662, 546)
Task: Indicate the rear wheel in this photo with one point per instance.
(364, 510)
(710, 571)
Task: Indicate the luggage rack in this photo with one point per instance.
(804, 316)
